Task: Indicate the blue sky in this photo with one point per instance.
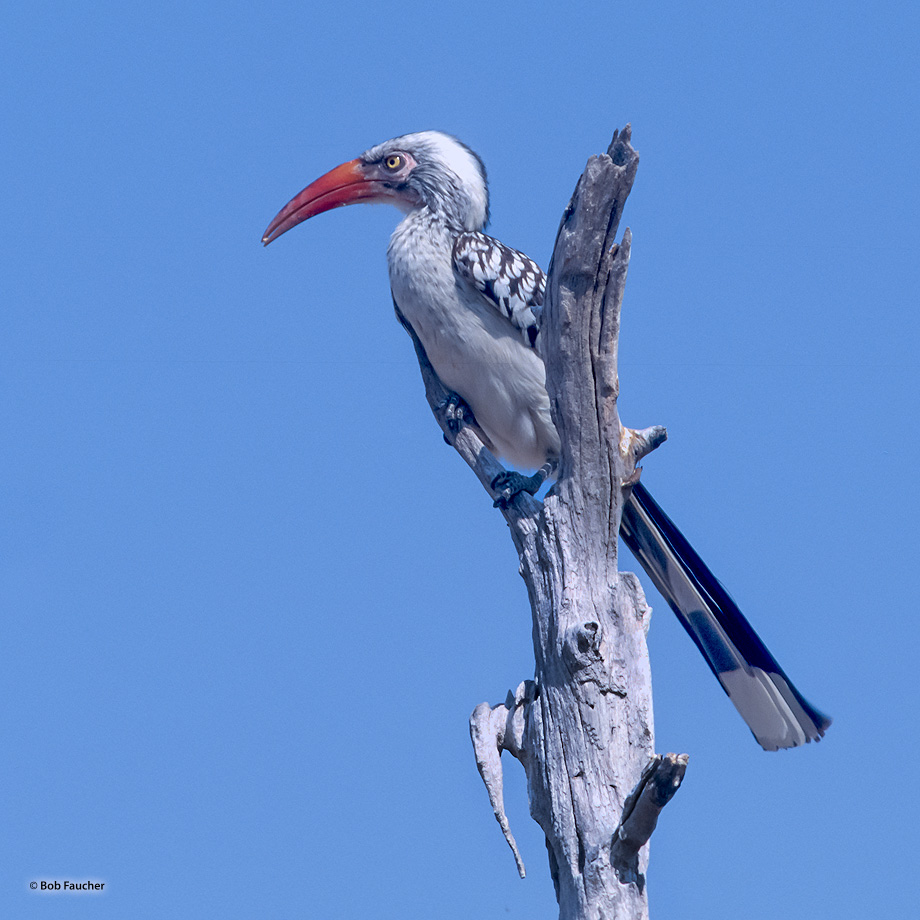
(250, 598)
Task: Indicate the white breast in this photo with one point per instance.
(475, 351)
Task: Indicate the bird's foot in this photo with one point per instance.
(510, 483)
(456, 412)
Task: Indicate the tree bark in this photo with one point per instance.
(583, 728)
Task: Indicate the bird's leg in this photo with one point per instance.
(456, 412)
(511, 483)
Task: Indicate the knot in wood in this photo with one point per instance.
(582, 645)
(586, 636)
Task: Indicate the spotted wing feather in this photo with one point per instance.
(511, 281)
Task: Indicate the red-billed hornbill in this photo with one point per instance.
(475, 304)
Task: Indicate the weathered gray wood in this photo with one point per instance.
(659, 782)
(494, 729)
(583, 729)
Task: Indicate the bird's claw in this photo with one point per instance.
(456, 412)
(509, 483)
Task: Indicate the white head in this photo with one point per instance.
(425, 170)
(440, 171)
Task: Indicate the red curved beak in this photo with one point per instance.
(343, 185)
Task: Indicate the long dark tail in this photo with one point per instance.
(777, 714)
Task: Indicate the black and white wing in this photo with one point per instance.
(511, 281)
(777, 714)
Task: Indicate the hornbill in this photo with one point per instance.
(474, 304)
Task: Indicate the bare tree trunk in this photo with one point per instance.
(583, 728)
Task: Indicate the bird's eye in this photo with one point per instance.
(393, 162)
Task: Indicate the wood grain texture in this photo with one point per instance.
(583, 729)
